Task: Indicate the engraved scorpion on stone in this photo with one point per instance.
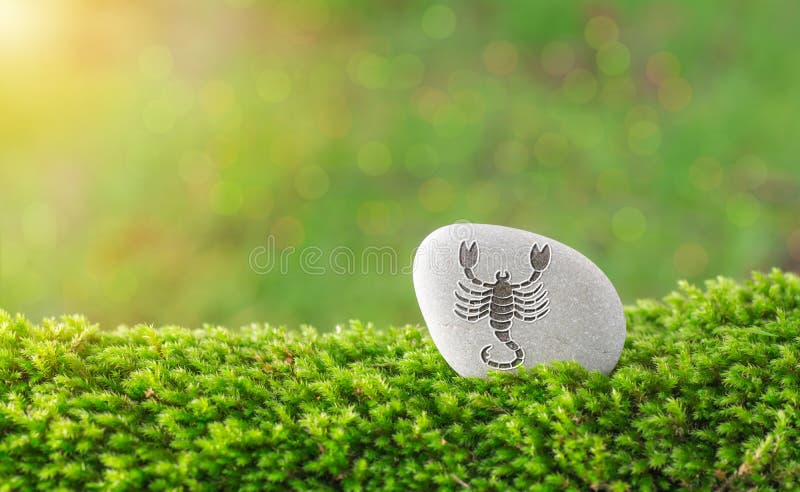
(502, 301)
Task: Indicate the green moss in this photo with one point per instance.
(705, 396)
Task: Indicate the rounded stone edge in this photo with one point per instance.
(619, 305)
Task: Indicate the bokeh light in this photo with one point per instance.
(674, 94)
(662, 66)
(148, 149)
(439, 21)
(629, 224)
(601, 31)
(613, 59)
(644, 137)
(500, 57)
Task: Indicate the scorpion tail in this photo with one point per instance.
(519, 357)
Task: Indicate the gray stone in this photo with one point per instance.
(495, 298)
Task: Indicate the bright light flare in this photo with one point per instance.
(24, 26)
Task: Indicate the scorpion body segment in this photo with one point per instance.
(501, 301)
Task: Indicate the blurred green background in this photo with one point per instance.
(148, 149)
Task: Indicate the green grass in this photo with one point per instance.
(704, 396)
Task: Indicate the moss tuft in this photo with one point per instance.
(705, 396)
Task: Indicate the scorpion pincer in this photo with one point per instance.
(502, 301)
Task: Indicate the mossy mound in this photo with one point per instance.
(705, 396)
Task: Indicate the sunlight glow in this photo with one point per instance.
(23, 26)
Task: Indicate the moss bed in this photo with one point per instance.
(705, 396)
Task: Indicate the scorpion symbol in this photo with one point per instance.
(503, 301)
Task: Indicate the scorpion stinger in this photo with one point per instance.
(502, 301)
